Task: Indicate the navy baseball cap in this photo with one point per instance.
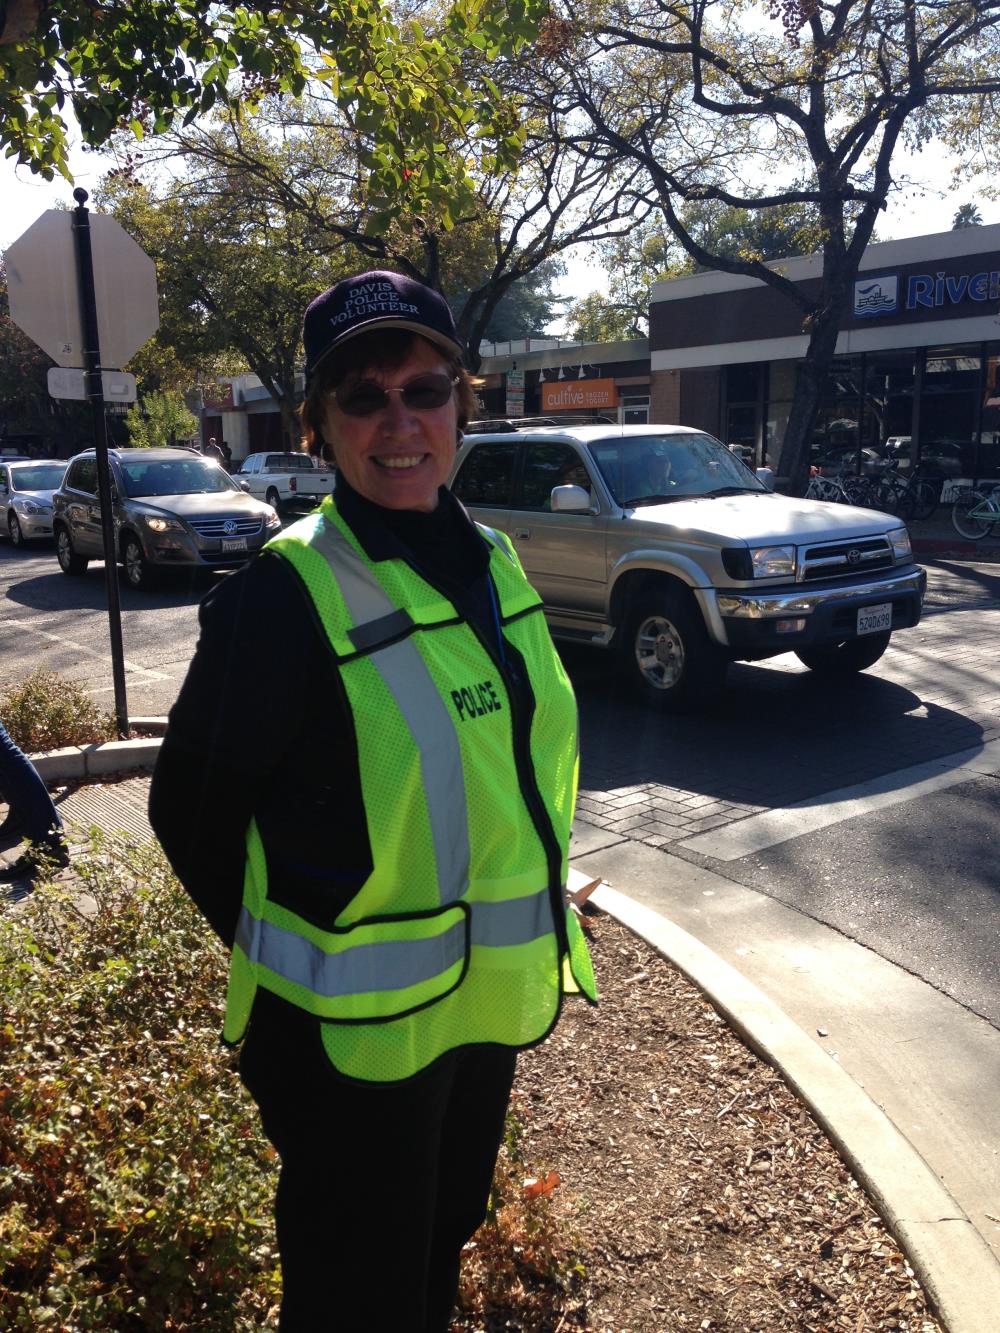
(378, 300)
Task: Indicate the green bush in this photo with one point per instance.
(46, 712)
(136, 1185)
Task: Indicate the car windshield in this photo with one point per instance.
(654, 469)
(36, 478)
(174, 476)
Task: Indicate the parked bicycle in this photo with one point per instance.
(976, 512)
(825, 488)
(909, 497)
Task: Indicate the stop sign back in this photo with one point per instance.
(43, 292)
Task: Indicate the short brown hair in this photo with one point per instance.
(383, 349)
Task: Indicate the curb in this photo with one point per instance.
(80, 762)
(958, 1270)
(940, 548)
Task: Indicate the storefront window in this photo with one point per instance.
(887, 421)
(634, 410)
(780, 392)
(743, 395)
(988, 464)
(949, 410)
(836, 439)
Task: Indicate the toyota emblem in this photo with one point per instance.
(854, 556)
(229, 527)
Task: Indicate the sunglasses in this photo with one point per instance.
(423, 393)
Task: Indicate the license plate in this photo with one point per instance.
(240, 544)
(875, 619)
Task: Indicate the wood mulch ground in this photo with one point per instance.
(696, 1191)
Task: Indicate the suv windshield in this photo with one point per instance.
(174, 476)
(36, 478)
(653, 469)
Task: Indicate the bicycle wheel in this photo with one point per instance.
(927, 496)
(965, 519)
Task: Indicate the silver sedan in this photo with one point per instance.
(26, 498)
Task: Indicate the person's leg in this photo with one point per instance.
(357, 1191)
(30, 804)
(471, 1133)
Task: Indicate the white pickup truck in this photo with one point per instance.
(285, 481)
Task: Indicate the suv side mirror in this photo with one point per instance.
(243, 485)
(569, 500)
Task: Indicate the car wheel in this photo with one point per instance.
(843, 659)
(137, 568)
(666, 654)
(69, 561)
(14, 530)
(274, 500)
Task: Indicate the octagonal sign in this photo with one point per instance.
(44, 296)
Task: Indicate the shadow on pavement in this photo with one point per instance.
(817, 737)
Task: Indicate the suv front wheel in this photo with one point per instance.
(666, 654)
(137, 567)
(69, 561)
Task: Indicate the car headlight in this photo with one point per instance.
(164, 525)
(33, 507)
(899, 540)
(271, 519)
(769, 562)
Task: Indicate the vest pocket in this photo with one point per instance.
(374, 970)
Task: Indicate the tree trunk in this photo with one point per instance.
(824, 327)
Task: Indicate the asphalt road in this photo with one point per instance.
(917, 880)
(50, 620)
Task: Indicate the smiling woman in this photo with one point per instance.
(389, 869)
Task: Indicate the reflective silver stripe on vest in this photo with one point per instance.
(417, 697)
(366, 968)
(362, 969)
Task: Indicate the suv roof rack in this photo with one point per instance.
(502, 424)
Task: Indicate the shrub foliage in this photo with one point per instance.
(136, 1185)
(47, 711)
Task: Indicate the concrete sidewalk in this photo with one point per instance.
(902, 1079)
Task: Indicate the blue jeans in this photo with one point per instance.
(30, 804)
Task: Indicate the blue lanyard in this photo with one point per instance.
(496, 620)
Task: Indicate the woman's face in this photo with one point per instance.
(398, 456)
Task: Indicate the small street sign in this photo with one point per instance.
(117, 385)
(44, 295)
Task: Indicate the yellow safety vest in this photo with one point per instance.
(461, 934)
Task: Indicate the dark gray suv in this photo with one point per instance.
(172, 509)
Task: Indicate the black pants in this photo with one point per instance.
(380, 1188)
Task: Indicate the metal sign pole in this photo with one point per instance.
(95, 392)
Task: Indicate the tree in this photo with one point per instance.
(967, 215)
(305, 160)
(161, 419)
(716, 104)
(146, 65)
(233, 277)
(638, 259)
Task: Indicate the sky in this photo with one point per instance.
(918, 211)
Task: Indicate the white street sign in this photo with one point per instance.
(43, 291)
(117, 386)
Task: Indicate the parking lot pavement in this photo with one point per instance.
(779, 736)
(871, 806)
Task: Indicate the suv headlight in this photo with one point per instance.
(770, 562)
(157, 524)
(271, 519)
(899, 540)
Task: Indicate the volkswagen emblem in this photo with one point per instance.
(229, 527)
(854, 556)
